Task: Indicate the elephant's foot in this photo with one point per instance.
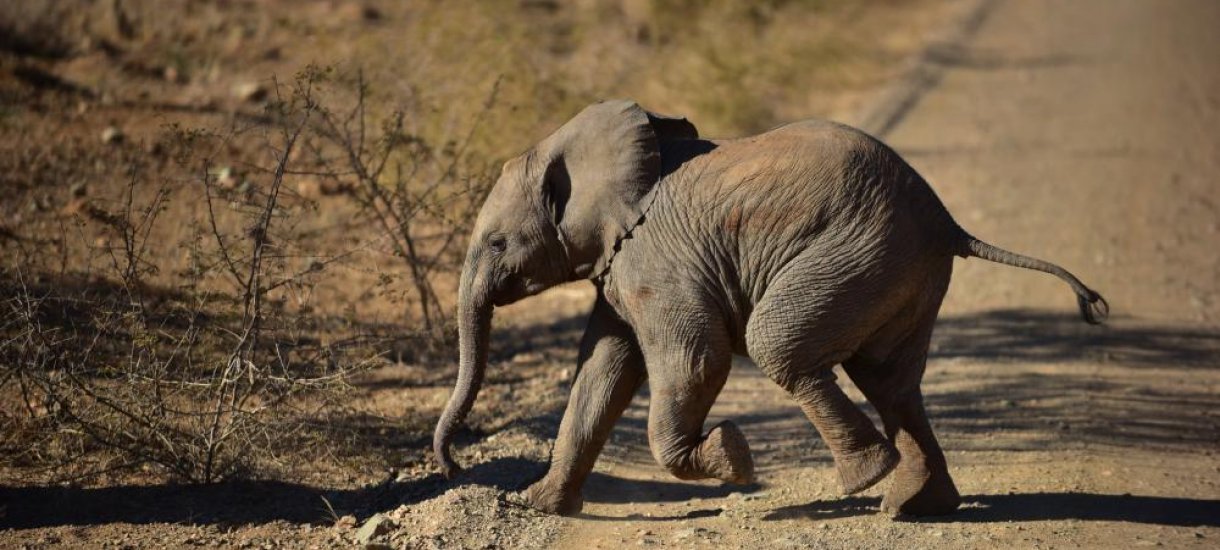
(725, 455)
(550, 498)
(920, 491)
(863, 469)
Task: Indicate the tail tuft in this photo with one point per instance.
(1093, 308)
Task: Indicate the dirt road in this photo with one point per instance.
(1081, 132)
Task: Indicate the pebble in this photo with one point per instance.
(226, 178)
(690, 533)
(250, 91)
(309, 189)
(345, 522)
(112, 135)
(374, 527)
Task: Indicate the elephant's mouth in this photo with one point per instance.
(516, 288)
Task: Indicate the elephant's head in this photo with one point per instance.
(554, 216)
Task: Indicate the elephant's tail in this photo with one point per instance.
(1093, 307)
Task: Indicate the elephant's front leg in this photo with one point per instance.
(610, 371)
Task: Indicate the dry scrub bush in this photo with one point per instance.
(224, 372)
(422, 196)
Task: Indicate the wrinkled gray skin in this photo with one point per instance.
(805, 247)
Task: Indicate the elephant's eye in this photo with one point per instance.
(497, 244)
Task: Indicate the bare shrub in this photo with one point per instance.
(421, 195)
(209, 379)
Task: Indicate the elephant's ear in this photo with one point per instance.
(600, 166)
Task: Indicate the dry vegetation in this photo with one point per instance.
(226, 225)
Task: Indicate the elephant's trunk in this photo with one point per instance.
(474, 326)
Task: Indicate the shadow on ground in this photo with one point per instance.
(633, 490)
(1032, 507)
(1040, 336)
(239, 503)
(1063, 384)
(1059, 384)
(1099, 396)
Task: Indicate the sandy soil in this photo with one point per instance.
(1083, 133)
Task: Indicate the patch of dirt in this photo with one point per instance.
(472, 517)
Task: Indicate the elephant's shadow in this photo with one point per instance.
(1032, 507)
(240, 502)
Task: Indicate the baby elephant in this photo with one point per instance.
(806, 247)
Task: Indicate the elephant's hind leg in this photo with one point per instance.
(684, 381)
(796, 337)
(922, 485)
(862, 455)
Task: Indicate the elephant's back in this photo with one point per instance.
(813, 177)
(808, 189)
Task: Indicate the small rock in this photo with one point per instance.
(692, 532)
(78, 189)
(112, 135)
(309, 189)
(345, 522)
(376, 526)
(250, 91)
(225, 178)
